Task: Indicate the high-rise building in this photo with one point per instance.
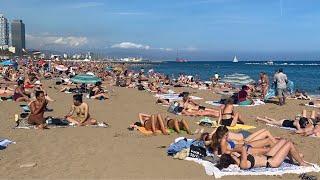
(4, 31)
(18, 36)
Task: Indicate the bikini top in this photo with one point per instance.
(231, 144)
(251, 159)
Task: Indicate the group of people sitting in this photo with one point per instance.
(79, 114)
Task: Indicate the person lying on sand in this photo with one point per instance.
(6, 91)
(79, 113)
(299, 123)
(221, 143)
(228, 116)
(245, 137)
(272, 159)
(37, 109)
(191, 108)
(156, 122)
(302, 95)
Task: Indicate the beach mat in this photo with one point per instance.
(256, 103)
(146, 132)
(23, 124)
(289, 129)
(233, 170)
(236, 127)
(174, 97)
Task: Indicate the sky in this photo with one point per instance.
(207, 27)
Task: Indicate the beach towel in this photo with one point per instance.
(257, 102)
(236, 127)
(5, 142)
(23, 124)
(234, 170)
(289, 129)
(174, 97)
(146, 132)
(314, 106)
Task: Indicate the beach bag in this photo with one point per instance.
(197, 152)
(172, 107)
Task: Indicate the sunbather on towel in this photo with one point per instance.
(79, 113)
(37, 109)
(191, 108)
(257, 143)
(299, 123)
(156, 122)
(229, 117)
(272, 159)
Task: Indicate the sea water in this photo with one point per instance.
(305, 74)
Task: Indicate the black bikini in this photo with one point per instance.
(251, 159)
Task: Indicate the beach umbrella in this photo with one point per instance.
(9, 63)
(85, 78)
(61, 68)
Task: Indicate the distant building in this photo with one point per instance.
(4, 31)
(18, 36)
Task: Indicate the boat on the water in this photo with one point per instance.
(179, 59)
(235, 60)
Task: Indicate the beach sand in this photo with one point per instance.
(115, 152)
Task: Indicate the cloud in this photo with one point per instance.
(130, 45)
(47, 40)
(87, 5)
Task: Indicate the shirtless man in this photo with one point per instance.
(37, 109)
(79, 113)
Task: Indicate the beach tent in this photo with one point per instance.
(85, 78)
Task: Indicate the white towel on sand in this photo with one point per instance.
(257, 102)
(233, 170)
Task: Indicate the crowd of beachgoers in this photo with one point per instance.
(22, 82)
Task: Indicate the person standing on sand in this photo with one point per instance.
(281, 80)
(37, 109)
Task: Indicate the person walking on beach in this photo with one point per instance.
(281, 80)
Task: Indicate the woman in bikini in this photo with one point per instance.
(264, 82)
(190, 108)
(229, 117)
(97, 92)
(299, 123)
(257, 143)
(79, 113)
(272, 159)
(20, 94)
(156, 122)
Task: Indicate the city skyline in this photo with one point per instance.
(162, 27)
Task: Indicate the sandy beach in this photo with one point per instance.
(115, 152)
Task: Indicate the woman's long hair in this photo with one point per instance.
(217, 136)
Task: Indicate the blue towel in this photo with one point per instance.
(178, 146)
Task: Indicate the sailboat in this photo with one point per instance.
(235, 60)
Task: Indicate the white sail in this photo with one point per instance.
(235, 60)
